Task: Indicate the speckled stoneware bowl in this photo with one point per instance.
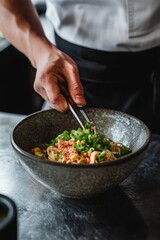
(80, 181)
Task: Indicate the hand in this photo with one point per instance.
(53, 68)
(24, 30)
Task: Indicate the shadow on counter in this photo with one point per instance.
(111, 215)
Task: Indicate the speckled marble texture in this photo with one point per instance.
(80, 181)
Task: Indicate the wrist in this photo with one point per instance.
(40, 48)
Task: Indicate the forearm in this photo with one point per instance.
(21, 25)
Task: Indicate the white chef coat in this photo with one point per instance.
(108, 25)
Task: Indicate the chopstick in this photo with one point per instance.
(76, 110)
(72, 108)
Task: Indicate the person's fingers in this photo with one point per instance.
(56, 98)
(59, 68)
(51, 93)
(73, 82)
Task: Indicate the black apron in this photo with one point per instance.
(124, 81)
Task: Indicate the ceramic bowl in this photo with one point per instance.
(80, 181)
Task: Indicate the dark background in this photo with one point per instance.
(16, 83)
(16, 78)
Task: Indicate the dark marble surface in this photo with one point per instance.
(130, 211)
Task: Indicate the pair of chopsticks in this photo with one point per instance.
(76, 110)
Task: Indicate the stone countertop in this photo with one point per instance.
(130, 211)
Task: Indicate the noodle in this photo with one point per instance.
(84, 145)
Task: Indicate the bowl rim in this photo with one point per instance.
(120, 160)
(9, 206)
